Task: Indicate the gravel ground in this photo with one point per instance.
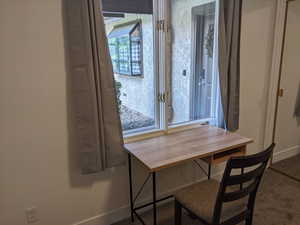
(132, 119)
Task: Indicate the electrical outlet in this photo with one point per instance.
(31, 215)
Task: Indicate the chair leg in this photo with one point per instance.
(249, 219)
(178, 213)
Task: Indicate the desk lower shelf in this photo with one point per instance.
(225, 156)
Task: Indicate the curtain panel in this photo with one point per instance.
(230, 13)
(93, 103)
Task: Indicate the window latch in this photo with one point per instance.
(162, 97)
(280, 92)
(160, 25)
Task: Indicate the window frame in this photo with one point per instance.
(168, 68)
(162, 76)
(138, 25)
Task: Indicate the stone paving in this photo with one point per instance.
(132, 119)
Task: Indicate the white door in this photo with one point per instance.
(288, 125)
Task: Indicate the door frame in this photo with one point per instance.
(195, 56)
(276, 71)
(193, 61)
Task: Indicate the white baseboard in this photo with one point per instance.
(107, 218)
(121, 213)
(286, 153)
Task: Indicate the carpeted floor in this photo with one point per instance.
(278, 203)
(290, 167)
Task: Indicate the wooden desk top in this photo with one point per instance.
(169, 150)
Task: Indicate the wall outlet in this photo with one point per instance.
(31, 215)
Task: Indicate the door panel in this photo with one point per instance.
(288, 126)
(203, 53)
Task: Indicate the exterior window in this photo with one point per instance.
(125, 43)
(133, 47)
(194, 83)
(174, 50)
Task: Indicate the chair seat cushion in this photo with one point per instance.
(200, 199)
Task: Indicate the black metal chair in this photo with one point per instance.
(229, 202)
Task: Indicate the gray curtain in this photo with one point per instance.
(229, 60)
(94, 110)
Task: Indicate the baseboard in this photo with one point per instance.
(124, 212)
(106, 218)
(286, 153)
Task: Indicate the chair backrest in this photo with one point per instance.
(248, 183)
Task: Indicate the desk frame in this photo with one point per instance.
(133, 209)
(222, 145)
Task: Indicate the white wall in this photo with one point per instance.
(256, 53)
(35, 161)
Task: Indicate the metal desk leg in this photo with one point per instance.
(130, 188)
(209, 171)
(242, 172)
(154, 198)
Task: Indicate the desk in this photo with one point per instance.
(212, 145)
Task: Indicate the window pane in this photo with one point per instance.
(136, 51)
(113, 48)
(192, 60)
(135, 59)
(124, 55)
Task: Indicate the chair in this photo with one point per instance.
(229, 202)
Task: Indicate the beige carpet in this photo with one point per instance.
(289, 167)
(278, 203)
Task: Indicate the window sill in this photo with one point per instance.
(157, 133)
(129, 76)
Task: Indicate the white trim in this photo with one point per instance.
(140, 131)
(275, 71)
(157, 133)
(182, 124)
(286, 153)
(156, 60)
(162, 65)
(168, 62)
(216, 87)
(124, 211)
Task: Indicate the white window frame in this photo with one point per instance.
(162, 70)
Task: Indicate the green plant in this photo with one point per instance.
(118, 93)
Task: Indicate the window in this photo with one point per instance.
(193, 75)
(125, 45)
(176, 77)
(132, 42)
